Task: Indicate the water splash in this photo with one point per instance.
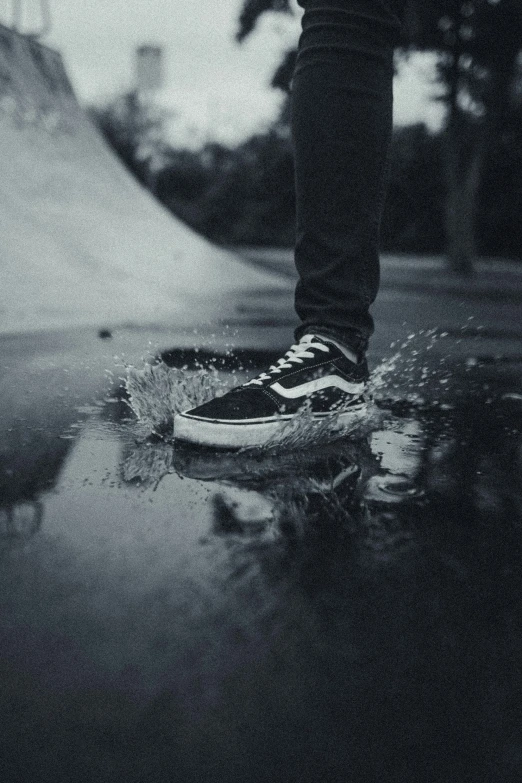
(156, 393)
(413, 375)
(303, 430)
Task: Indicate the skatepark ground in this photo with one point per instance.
(346, 611)
(342, 610)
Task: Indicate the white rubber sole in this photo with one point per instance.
(253, 432)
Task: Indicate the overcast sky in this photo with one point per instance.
(219, 88)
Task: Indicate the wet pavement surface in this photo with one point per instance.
(346, 610)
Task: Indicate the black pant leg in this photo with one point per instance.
(341, 123)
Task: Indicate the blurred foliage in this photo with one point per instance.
(487, 31)
(245, 194)
(413, 215)
(458, 190)
(241, 195)
(498, 213)
(478, 44)
(252, 10)
(134, 129)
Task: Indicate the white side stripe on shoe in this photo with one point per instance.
(320, 383)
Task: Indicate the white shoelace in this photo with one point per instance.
(295, 355)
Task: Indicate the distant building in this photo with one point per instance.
(149, 68)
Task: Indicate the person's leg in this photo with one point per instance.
(342, 105)
(341, 122)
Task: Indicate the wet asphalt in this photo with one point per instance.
(341, 611)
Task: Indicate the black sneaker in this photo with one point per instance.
(314, 372)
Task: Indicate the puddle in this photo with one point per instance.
(166, 597)
(394, 458)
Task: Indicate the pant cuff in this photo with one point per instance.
(350, 338)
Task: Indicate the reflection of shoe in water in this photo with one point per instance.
(314, 373)
(311, 469)
(328, 488)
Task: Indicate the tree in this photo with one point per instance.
(134, 129)
(499, 225)
(252, 10)
(413, 215)
(478, 44)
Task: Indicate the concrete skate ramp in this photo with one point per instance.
(81, 242)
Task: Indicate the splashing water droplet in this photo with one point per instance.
(157, 392)
(512, 396)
